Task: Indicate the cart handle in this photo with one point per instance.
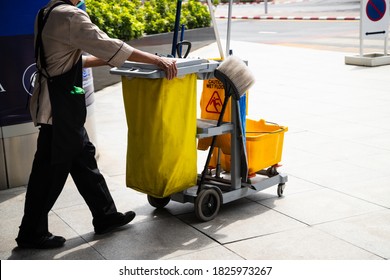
(183, 43)
(281, 129)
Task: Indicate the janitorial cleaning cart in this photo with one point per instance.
(164, 134)
(163, 131)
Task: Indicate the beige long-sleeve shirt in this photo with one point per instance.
(67, 33)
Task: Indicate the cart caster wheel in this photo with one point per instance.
(281, 189)
(272, 171)
(158, 202)
(207, 204)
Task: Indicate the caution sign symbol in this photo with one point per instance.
(215, 104)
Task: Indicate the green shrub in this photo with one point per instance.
(118, 18)
(195, 15)
(159, 16)
(130, 19)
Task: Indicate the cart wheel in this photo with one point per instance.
(207, 204)
(281, 189)
(272, 171)
(158, 202)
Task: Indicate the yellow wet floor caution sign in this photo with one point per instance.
(212, 98)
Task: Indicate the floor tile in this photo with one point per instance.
(12, 203)
(294, 185)
(379, 162)
(375, 190)
(333, 173)
(74, 249)
(152, 240)
(215, 253)
(380, 140)
(369, 232)
(319, 206)
(242, 219)
(299, 244)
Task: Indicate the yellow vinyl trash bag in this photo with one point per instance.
(161, 146)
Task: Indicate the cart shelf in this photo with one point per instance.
(209, 128)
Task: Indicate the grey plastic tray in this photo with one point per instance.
(202, 67)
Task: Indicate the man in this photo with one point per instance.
(62, 33)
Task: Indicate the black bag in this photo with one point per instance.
(67, 102)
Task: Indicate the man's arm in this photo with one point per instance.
(93, 61)
(168, 65)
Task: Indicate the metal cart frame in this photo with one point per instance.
(212, 191)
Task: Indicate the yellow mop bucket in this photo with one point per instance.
(264, 145)
(161, 149)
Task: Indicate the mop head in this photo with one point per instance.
(234, 71)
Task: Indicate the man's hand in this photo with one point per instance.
(168, 65)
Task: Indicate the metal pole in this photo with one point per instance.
(235, 164)
(176, 28)
(216, 30)
(181, 40)
(361, 28)
(266, 6)
(229, 27)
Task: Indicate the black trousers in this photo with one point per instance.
(47, 181)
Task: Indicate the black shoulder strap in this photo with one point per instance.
(42, 19)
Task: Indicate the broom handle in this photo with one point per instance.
(229, 27)
(176, 28)
(243, 154)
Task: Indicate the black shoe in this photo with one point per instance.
(48, 241)
(114, 221)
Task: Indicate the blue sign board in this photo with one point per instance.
(17, 58)
(18, 62)
(374, 19)
(376, 9)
